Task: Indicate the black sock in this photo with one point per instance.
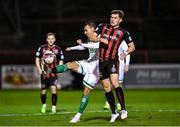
(43, 98)
(110, 98)
(120, 97)
(54, 99)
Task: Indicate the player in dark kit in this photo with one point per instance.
(55, 55)
(111, 35)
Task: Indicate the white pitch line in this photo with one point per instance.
(63, 113)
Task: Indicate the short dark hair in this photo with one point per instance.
(90, 23)
(120, 12)
(50, 33)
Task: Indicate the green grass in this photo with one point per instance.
(146, 107)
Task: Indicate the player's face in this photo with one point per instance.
(115, 20)
(51, 40)
(89, 31)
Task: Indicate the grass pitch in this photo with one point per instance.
(160, 107)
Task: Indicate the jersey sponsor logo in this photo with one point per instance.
(111, 37)
(113, 69)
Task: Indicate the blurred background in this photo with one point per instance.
(153, 24)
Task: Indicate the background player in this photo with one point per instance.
(48, 80)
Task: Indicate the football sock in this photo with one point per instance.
(110, 98)
(83, 104)
(54, 99)
(120, 96)
(60, 68)
(43, 98)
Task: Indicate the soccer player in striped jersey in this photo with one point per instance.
(89, 68)
(48, 80)
(123, 68)
(111, 35)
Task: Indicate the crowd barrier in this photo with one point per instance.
(138, 76)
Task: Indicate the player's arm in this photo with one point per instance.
(127, 61)
(96, 38)
(38, 61)
(129, 41)
(61, 57)
(131, 48)
(38, 65)
(78, 47)
(91, 45)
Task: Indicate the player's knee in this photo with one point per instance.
(107, 88)
(87, 91)
(53, 89)
(73, 66)
(43, 91)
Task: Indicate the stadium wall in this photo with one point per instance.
(139, 76)
(153, 76)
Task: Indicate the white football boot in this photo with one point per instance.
(76, 118)
(124, 114)
(114, 117)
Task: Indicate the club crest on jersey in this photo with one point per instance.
(113, 69)
(55, 51)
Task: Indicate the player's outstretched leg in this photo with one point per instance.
(58, 69)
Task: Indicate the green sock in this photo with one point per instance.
(83, 104)
(61, 68)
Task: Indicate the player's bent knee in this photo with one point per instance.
(73, 66)
(87, 91)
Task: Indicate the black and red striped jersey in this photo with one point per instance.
(58, 55)
(115, 37)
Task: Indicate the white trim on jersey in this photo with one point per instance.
(91, 45)
(78, 47)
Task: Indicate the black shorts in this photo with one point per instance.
(47, 82)
(108, 67)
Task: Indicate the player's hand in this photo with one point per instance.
(104, 40)
(122, 56)
(79, 41)
(68, 49)
(126, 68)
(44, 69)
(40, 71)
